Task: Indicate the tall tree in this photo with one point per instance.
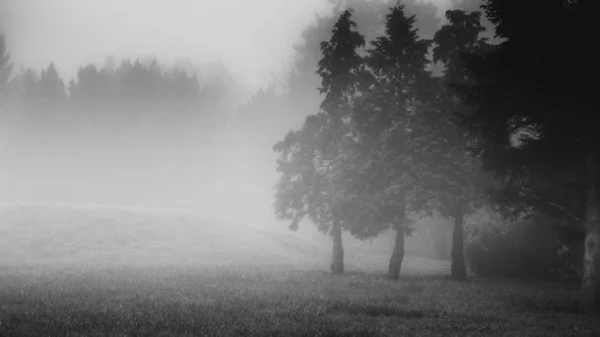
(548, 104)
(452, 175)
(310, 184)
(52, 87)
(302, 81)
(5, 66)
(382, 119)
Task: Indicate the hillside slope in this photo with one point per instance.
(58, 234)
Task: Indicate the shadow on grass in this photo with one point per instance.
(539, 304)
(385, 277)
(353, 308)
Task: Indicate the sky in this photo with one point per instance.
(253, 38)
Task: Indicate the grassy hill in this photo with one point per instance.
(59, 234)
(93, 235)
(153, 273)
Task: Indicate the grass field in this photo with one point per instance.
(99, 272)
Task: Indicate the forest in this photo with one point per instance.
(481, 129)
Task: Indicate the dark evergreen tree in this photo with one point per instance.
(454, 179)
(382, 121)
(537, 121)
(311, 183)
(5, 67)
(52, 87)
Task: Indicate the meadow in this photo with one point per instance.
(101, 272)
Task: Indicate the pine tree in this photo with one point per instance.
(311, 184)
(5, 67)
(453, 179)
(52, 87)
(548, 103)
(382, 119)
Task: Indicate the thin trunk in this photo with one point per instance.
(398, 253)
(337, 258)
(590, 288)
(458, 269)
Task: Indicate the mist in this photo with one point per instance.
(215, 165)
(294, 168)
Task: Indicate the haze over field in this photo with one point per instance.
(225, 169)
(253, 38)
(298, 168)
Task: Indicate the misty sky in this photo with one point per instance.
(253, 38)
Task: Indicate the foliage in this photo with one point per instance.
(537, 124)
(132, 82)
(526, 249)
(5, 65)
(311, 183)
(383, 115)
(129, 83)
(510, 107)
(302, 80)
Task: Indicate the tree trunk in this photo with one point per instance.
(458, 269)
(398, 253)
(337, 258)
(590, 287)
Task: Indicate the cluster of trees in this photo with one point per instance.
(130, 83)
(507, 126)
(383, 144)
(129, 124)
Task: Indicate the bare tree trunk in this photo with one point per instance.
(458, 269)
(398, 253)
(590, 288)
(337, 258)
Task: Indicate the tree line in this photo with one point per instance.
(508, 125)
(131, 83)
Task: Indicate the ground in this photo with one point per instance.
(68, 293)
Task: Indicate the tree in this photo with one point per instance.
(311, 183)
(452, 178)
(546, 105)
(5, 66)
(52, 87)
(31, 85)
(87, 86)
(302, 81)
(382, 119)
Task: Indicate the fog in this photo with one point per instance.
(213, 165)
(252, 38)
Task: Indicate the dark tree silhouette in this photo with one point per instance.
(382, 117)
(546, 103)
(461, 34)
(52, 87)
(5, 66)
(311, 184)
